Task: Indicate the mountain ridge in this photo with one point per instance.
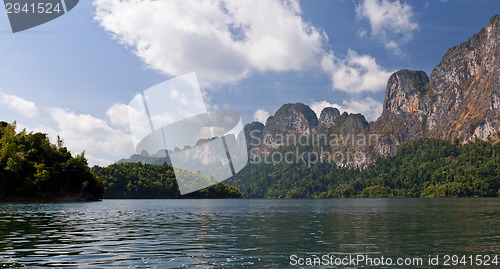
(459, 101)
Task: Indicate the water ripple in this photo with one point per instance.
(240, 233)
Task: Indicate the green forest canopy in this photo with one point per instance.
(32, 167)
(137, 180)
(423, 168)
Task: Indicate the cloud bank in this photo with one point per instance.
(226, 41)
(222, 41)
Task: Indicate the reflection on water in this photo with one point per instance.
(241, 233)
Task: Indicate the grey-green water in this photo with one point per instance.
(243, 233)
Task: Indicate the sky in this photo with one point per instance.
(75, 76)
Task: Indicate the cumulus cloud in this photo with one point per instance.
(20, 105)
(222, 41)
(94, 135)
(261, 115)
(118, 115)
(225, 41)
(391, 21)
(98, 161)
(370, 108)
(355, 73)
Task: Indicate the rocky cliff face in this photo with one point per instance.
(328, 116)
(467, 87)
(296, 125)
(459, 101)
(300, 119)
(292, 117)
(289, 119)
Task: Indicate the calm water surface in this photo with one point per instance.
(242, 233)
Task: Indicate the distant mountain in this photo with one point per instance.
(328, 116)
(460, 101)
(145, 158)
(422, 136)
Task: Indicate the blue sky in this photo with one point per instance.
(75, 75)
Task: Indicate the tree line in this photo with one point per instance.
(33, 168)
(426, 167)
(146, 181)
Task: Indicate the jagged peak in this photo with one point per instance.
(494, 21)
(411, 75)
(404, 81)
(349, 123)
(328, 116)
(301, 108)
(256, 125)
(332, 110)
(492, 29)
(350, 116)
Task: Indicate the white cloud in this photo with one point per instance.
(391, 21)
(222, 41)
(98, 161)
(261, 115)
(20, 105)
(118, 115)
(95, 136)
(225, 41)
(370, 108)
(355, 73)
(362, 32)
(103, 140)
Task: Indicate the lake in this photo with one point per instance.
(246, 233)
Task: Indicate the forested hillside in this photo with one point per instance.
(31, 168)
(137, 180)
(426, 167)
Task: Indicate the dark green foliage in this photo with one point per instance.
(33, 168)
(423, 168)
(137, 180)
